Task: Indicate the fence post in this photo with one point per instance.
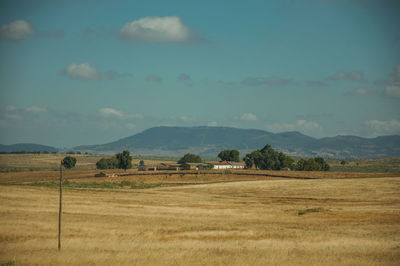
(60, 209)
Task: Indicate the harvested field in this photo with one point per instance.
(275, 222)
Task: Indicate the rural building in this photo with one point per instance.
(169, 166)
(237, 165)
(191, 166)
(204, 166)
(220, 165)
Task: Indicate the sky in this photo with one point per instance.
(94, 71)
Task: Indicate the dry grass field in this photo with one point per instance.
(243, 217)
(266, 222)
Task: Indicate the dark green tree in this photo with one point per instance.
(141, 163)
(124, 160)
(190, 158)
(308, 165)
(229, 155)
(268, 159)
(324, 165)
(68, 162)
(111, 163)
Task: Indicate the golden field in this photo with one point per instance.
(346, 221)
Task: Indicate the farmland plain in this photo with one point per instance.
(257, 218)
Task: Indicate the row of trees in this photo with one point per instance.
(268, 159)
(121, 160)
(265, 159)
(225, 155)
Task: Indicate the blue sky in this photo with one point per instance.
(90, 72)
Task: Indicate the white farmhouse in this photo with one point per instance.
(220, 165)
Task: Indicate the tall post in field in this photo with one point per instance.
(60, 209)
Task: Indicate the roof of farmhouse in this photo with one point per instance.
(219, 163)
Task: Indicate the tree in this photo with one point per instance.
(229, 155)
(124, 160)
(342, 162)
(110, 163)
(324, 165)
(312, 164)
(190, 158)
(141, 163)
(68, 162)
(268, 159)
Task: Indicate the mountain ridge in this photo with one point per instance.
(209, 141)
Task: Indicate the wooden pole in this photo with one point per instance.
(60, 210)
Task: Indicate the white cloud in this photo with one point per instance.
(307, 124)
(86, 71)
(358, 92)
(270, 81)
(17, 30)
(352, 76)
(154, 78)
(393, 91)
(248, 117)
(10, 108)
(156, 29)
(110, 112)
(13, 116)
(185, 118)
(184, 77)
(36, 109)
(114, 113)
(392, 83)
(383, 127)
(298, 125)
(277, 127)
(212, 124)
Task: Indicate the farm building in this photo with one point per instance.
(220, 165)
(195, 166)
(237, 165)
(169, 166)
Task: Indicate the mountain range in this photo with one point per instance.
(209, 141)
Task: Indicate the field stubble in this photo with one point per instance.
(276, 222)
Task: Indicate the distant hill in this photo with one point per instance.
(209, 141)
(26, 147)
